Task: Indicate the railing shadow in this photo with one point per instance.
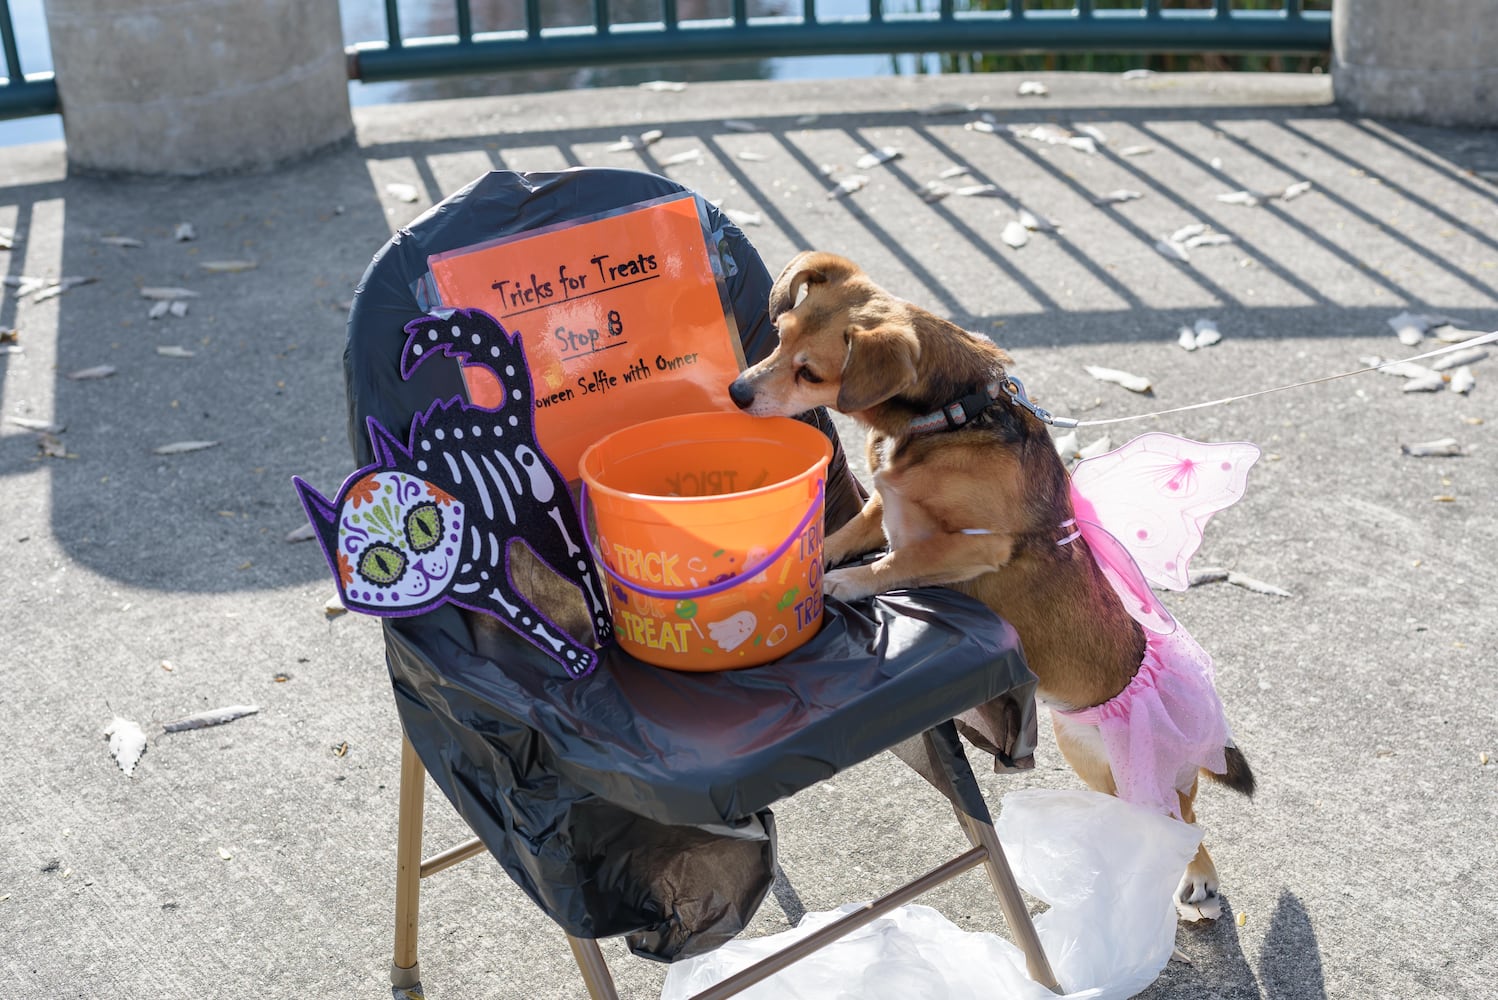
(265, 379)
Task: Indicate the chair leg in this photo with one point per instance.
(595, 970)
(948, 767)
(1016, 914)
(405, 971)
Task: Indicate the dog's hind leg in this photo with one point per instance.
(1196, 896)
(1082, 746)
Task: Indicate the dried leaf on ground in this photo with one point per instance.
(1033, 88)
(174, 351)
(1410, 327)
(749, 156)
(402, 192)
(158, 309)
(1434, 382)
(301, 533)
(1136, 151)
(1137, 74)
(9, 335)
(1186, 232)
(739, 125)
(1083, 144)
(630, 143)
(1462, 380)
(1036, 223)
(663, 86)
(1067, 446)
(229, 266)
(7, 239)
(1015, 234)
(36, 424)
(1293, 191)
(1257, 586)
(1130, 381)
(884, 154)
(1117, 197)
(743, 218)
(1172, 251)
(1207, 574)
(981, 126)
(184, 232)
(979, 191)
(1248, 198)
(1457, 359)
(90, 374)
(181, 447)
(1208, 240)
(1101, 446)
(1186, 338)
(934, 191)
(178, 309)
(127, 742)
(849, 184)
(334, 607)
(1447, 333)
(953, 172)
(129, 242)
(213, 717)
(1441, 448)
(158, 292)
(687, 156)
(1207, 333)
(53, 287)
(51, 446)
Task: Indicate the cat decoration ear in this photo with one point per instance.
(322, 514)
(387, 447)
(469, 335)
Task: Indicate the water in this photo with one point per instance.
(364, 20)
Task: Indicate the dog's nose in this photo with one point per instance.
(741, 392)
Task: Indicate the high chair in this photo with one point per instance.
(616, 799)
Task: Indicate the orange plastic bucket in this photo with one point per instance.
(709, 529)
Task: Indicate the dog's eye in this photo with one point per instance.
(805, 374)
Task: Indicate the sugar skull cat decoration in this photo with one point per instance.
(431, 521)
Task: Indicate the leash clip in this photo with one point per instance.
(1015, 390)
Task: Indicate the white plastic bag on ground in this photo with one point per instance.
(1108, 869)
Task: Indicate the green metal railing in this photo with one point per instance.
(1015, 27)
(22, 95)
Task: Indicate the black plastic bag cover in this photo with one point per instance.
(635, 800)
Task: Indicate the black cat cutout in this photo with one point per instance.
(431, 521)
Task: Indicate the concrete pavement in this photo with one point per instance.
(256, 859)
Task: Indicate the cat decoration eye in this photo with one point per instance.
(424, 527)
(382, 564)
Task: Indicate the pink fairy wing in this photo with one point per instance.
(1119, 569)
(1156, 493)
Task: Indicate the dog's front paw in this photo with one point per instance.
(846, 584)
(1197, 898)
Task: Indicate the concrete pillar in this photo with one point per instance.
(1431, 61)
(197, 86)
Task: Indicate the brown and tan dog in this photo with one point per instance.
(977, 505)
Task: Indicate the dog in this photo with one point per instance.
(970, 493)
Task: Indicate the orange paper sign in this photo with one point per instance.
(622, 319)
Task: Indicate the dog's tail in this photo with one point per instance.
(1239, 777)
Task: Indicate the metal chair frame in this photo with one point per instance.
(411, 868)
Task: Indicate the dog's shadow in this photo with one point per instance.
(1289, 960)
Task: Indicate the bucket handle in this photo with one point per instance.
(712, 588)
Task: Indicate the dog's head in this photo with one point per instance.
(846, 343)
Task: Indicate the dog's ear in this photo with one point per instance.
(810, 267)
(880, 364)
